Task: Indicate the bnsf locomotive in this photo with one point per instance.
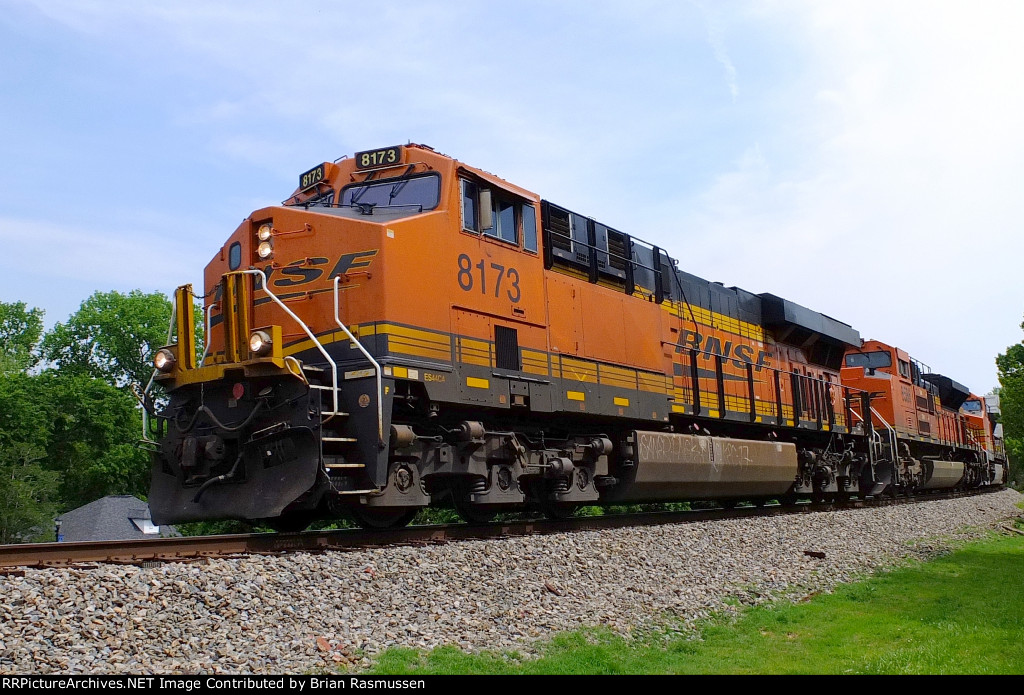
(408, 330)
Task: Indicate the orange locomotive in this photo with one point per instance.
(940, 431)
(408, 330)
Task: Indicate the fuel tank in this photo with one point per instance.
(942, 474)
(683, 466)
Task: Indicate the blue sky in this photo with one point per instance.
(863, 158)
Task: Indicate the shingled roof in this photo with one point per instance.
(113, 518)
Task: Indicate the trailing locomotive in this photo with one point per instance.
(408, 330)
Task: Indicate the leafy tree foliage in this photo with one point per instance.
(1011, 403)
(20, 328)
(94, 428)
(112, 337)
(28, 492)
(68, 434)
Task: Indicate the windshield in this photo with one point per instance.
(972, 406)
(422, 192)
(871, 360)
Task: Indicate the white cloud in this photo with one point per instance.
(901, 211)
(871, 169)
(717, 42)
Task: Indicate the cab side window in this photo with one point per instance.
(505, 222)
(499, 216)
(470, 206)
(529, 228)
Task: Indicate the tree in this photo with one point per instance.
(1011, 405)
(27, 489)
(112, 336)
(67, 436)
(94, 428)
(28, 492)
(20, 329)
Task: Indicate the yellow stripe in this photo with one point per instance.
(575, 395)
(417, 352)
(624, 402)
(477, 383)
(401, 372)
(475, 344)
(711, 319)
(476, 361)
(617, 376)
(444, 352)
(415, 333)
(579, 365)
(607, 370)
(579, 371)
(654, 383)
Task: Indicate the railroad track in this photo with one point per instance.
(191, 548)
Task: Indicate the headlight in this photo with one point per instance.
(259, 343)
(163, 360)
(264, 232)
(265, 249)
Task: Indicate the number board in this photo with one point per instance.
(378, 158)
(312, 177)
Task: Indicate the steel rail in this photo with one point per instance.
(188, 548)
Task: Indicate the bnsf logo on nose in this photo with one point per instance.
(309, 269)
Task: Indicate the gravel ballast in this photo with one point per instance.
(302, 612)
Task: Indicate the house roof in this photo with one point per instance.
(117, 517)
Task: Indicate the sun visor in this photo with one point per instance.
(822, 337)
(782, 313)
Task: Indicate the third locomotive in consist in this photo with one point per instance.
(409, 330)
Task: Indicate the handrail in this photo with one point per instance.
(893, 439)
(876, 438)
(367, 355)
(323, 351)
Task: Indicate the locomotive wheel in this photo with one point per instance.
(290, 523)
(469, 512)
(371, 518)
(556, 511)
(473, 513)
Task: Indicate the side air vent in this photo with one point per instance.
(506, 345)
(561, 234)
(617, 253)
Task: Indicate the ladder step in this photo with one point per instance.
(357, 492)
(333, 413)
(339, 439)
(344, 465)
(321, 387)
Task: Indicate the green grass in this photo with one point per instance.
(961, 613)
